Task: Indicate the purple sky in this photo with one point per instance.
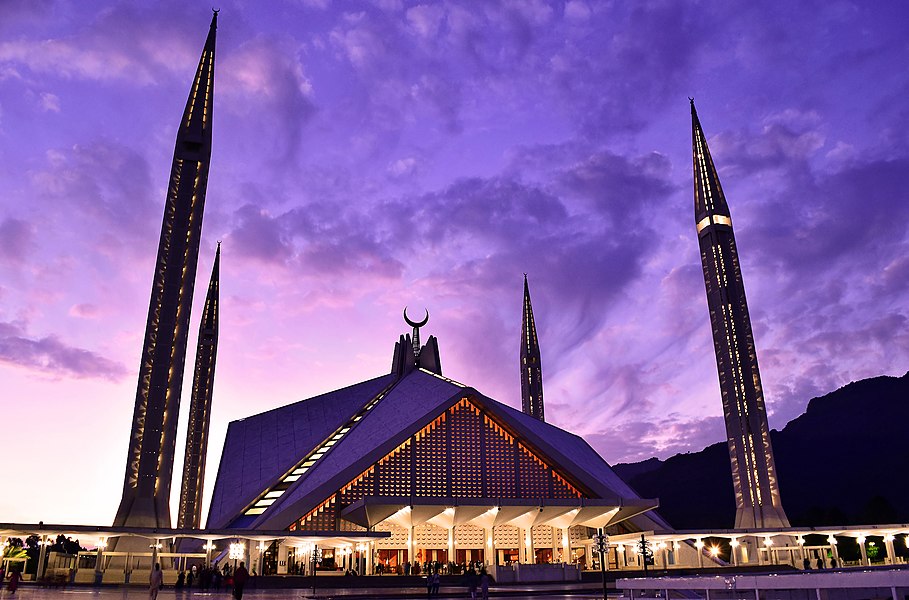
(371, 155)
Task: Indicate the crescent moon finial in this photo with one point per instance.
(215, 10)
(416, 324)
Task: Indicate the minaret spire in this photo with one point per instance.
(150, 460)
(757, 493)
(189, 515)
(531, 369)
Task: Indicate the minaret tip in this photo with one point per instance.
(693, 109)
(214, 17)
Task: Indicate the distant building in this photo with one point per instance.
(453, 475)
(757, 493)
(150, 461)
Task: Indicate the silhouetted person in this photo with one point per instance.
(471, 580)
(155, 582)
(241, 576)
(13, 584)
(436, 582)
(820, 562)
(484, 583)
(806, 564)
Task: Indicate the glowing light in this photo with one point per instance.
(715, 551)
(768, 542)
(734, 543)
(800, 541)
(699, 544)
(831, 540)
(860, 539)
(235, 551)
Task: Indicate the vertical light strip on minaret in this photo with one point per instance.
(531, 369)
(149, 465)
(757, 493)
(189, 515)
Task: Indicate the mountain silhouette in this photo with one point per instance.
(844, 461)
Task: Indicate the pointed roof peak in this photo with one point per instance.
(214, 17)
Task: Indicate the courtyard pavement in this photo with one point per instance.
(27, 592)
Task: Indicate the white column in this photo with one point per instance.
(370, 551)
(861, 543)
(521, 545)
(891, 554)
(489, 537)
(556, 535)
(42, 543)
(528, 546)
(451, 544)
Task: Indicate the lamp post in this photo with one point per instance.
(315, 554)
(601, 545)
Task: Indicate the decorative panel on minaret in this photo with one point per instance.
(150, 459)
(748, 434)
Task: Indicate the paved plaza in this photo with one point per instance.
(131, 593)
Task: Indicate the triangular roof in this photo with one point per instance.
(409, 405)
(261, 448)
(414, 400)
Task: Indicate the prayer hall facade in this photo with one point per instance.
(450, 474)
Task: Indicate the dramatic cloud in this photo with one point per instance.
(373, 154)
(52, 357)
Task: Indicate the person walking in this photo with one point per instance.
(155, 582)
(241, 576)
(484, 583)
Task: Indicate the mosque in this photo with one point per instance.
(410, 467)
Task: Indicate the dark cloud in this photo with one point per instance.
(635, 440)
(52, 357)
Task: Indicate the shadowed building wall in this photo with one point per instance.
(150, 460)
(754, 478)
(189, 515)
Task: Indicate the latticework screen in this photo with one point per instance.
(462, 453)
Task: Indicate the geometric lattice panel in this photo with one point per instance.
(462, 453)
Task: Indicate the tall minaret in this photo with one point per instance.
(531, 370)
(150, 462)
(757, 494)
(190, 511)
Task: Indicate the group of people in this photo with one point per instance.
(475, 581)
(806, 563)
(205, 579)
